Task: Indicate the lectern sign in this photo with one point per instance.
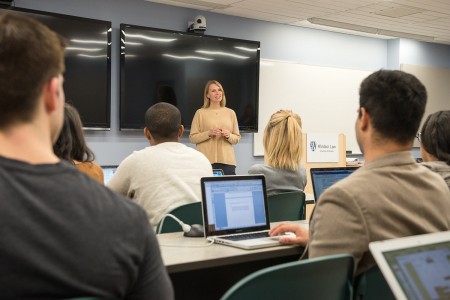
(322, 148)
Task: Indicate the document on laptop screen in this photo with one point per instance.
(235, 204)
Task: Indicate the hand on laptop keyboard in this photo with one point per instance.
(301, 233)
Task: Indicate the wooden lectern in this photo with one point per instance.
(341, 163)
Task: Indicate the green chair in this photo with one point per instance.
(188, 213)
(328, 277)
(289, 206)
(371, 285)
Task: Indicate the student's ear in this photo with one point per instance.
(364, 119)
(51, 94)
(147, 133)
(180, 131)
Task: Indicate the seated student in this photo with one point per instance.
(391, 195)
(62, 234)
(166, 174)
(435, 143)
(72, 147)
(282, 154)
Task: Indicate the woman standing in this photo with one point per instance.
(215, 129)
(282, 154)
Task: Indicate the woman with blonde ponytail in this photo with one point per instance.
(282, 154)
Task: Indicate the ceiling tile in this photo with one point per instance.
(424, 17)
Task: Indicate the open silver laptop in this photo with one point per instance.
(217, 172)
(108, 172)
(416, 267)
(235, 211)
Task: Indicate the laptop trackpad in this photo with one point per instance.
(262, 241)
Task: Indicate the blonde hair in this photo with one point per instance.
(206, 101)
(283, 140)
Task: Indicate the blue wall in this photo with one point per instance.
(279, 42)
(426, 54)
(393, 61)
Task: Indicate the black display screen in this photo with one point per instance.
(87, 79)
(161, 65)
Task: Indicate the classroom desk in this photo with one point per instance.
(202, 271)
(310, 203)
(309, 198)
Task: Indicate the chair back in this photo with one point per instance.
(190, 213)
(289, 206)
(371, 285)
(328, 277)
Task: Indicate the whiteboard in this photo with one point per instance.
(437, 83)
(325, 98)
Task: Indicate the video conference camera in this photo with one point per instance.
(198, 25)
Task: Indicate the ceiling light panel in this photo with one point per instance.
(400, 11)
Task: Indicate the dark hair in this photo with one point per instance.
(30, 55)
(435, 135)
(163, 120)
(71, 145)
(396, 101)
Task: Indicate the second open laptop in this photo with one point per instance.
(416, 267)
(217, 172)
(323, 178)
(235, 211)
(108, 172)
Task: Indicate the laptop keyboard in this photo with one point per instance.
(247, 236)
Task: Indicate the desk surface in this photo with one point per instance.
(309, 198)
(181, 253)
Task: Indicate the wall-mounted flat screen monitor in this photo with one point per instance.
(168, 66)
(87, 79)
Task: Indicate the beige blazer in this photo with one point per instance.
(390, 197)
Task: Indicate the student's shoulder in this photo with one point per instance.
(114, 204)
(91, 196)
(123, 217)
(137, 155)
(257, 168)
(194, 153)
(436, 166)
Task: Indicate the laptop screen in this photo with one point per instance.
(233, 204)
(423, 272)
(323, 178)
(108, 172)
(416, 267)
(217, 172)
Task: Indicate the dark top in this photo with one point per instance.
(63, 235)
